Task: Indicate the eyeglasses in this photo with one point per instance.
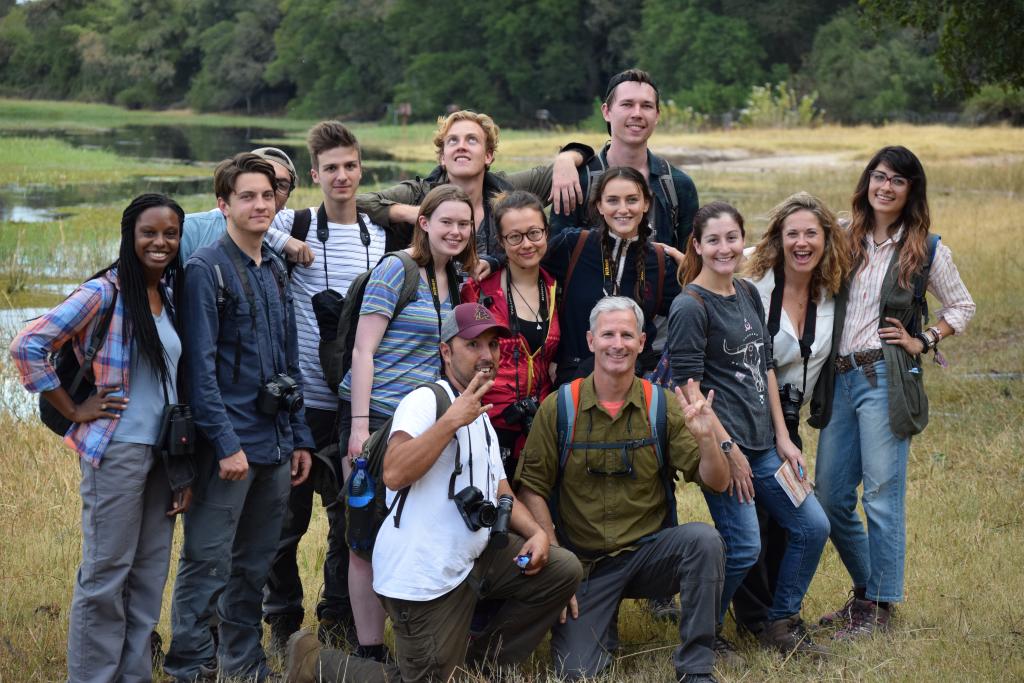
(283, 186)
(897, 182)
(534, 235)
(627, 451)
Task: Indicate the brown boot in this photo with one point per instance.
(866, 618)
(842, 615)
(788, 635)
(303, 654)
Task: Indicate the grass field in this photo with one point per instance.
(963, 619)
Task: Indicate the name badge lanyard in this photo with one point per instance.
(810, 319)
(619, 254)
(514, 322)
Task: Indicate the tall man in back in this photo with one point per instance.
(631, 108)
(240, 362)
(345, 244)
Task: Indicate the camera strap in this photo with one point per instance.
(323, 233)
(458, 456)
(810, 318)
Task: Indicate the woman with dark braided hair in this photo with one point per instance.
(618, 259)
(130, 494)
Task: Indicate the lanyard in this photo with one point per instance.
(432, 279)
(775, 318)
(323, 232)
(619, 253)
(514, 321)
(458, 456)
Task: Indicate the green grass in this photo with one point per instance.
(962, 620)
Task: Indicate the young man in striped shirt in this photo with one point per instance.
(344, 243)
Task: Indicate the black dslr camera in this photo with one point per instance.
(478, 513)
(791, 399)
(280, 393)
(521, 412)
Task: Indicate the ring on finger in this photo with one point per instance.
(103, 406)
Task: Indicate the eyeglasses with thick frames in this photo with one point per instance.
(283, 187)
(897, 182)
(534, 235)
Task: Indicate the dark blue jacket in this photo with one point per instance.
(228, 354)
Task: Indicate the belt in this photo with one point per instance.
(857, 359)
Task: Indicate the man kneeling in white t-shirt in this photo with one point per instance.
(432, 569)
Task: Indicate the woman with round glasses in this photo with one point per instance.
(870, 400)
(520, 296)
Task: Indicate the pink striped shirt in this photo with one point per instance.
(860, 332)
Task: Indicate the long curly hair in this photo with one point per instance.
(915, 217)
(139, 325)
(644, 231)
(835, 261)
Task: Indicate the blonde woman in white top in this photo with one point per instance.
(797, 267)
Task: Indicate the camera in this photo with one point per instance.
(280, 393)
(479, 513)
(521, 412)
(177, 430)
(499, 530)
(791, 399)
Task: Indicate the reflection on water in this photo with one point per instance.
(13, 397)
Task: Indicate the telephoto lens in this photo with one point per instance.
(499, 530)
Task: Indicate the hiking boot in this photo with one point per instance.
(282, 626)
(337, 635)
(156, 651)
(789, 636)
(207, 673)
(303, 653)
(842, 615)
(725, 653)
(866, 617)
(664, 609)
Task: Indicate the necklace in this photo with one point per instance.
(536, 315)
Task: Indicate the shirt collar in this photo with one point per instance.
(588, 394)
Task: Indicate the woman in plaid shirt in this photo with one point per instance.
(128, 498)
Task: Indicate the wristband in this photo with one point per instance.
(937, 333)
(923, 338)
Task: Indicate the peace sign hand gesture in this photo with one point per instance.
(700, 418)
(468, 407)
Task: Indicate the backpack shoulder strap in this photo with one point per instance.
(411, 281)
(568, 406)
(99, 335)
(659, 252)
(661, 170)
(444, 402)
(581, 244)
(595, 169)
(301, 223)
(657, 417)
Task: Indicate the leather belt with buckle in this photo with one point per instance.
(858, 359)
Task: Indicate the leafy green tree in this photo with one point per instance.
(979, 42)
(699, 58)
(864, 75)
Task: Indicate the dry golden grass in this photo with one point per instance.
(963, 619)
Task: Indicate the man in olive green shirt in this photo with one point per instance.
(612, 508)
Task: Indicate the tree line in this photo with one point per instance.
(526, 62)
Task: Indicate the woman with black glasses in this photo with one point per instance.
(520, 296)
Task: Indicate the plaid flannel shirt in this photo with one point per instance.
(75, 319)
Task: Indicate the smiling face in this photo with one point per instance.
(721, 245)
(250, 207)
(622, 206)
(338, 173)
(887, 195)
(157, 236)
(521, 224)
(616, 341)
(463, 358)
(449, 228)
(632, 112)
(284, 184)
(803, 242)
(464, 150)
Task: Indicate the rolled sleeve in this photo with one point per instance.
(31, 348)
(945, 283)
(280, 230)
(202, 326)
(538, 461)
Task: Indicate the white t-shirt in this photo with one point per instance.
(433, 551)
(789, 365)
(346, 257)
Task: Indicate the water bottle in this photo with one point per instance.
(360, 485)
(361, 530)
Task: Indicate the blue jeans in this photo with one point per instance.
(231, 535)
(858, 445)
(737, 523)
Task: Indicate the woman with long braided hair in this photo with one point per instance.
(130, 493)
(619, 259)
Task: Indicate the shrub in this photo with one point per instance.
(778, 106)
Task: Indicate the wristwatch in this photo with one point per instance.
(727, 446)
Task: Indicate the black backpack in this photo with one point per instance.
(75, 377)
(335, 351)
(362, 524)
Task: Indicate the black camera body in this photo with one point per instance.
(479, 513)
(279, 394)
(177, 431)
(521, 412)
(791, 398)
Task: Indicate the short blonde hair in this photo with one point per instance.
(445, 123)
